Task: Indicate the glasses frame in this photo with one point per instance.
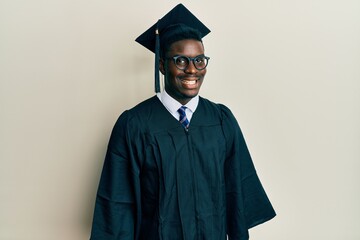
(190, 59)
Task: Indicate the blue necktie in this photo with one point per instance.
(183, 119)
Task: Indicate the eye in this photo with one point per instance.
(200, 60)
(182, 61)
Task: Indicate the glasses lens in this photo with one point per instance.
(182, 62)
(200, 62)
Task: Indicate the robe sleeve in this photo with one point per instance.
(117, 200)
(246, 200)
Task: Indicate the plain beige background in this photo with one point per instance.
(289, 70)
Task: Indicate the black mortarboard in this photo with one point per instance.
(151, 38)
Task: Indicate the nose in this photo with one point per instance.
(191, 68)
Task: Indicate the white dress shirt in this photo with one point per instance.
(172, 105)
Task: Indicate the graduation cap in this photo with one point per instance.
(178, 19)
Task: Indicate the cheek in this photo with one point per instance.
(172, 73)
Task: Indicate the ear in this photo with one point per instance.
(162, 66)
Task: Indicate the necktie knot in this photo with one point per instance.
(183, 119)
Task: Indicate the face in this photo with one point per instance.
(183, 85)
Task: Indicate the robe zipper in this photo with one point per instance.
(188, 140)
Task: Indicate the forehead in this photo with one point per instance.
(188, 47)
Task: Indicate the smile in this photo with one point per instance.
(189, 82)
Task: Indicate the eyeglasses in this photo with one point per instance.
(182, 62)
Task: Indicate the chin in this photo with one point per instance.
(190, 95)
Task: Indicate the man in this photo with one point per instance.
(177, 166)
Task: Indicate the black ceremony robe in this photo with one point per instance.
(162, 182)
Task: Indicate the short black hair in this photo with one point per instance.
(174, 33)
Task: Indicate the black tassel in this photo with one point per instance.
(157, 59)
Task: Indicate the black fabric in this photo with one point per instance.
(180, 16)
(162, 182)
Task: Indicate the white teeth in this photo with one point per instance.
(189, 82)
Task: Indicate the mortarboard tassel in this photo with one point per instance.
(157, 59)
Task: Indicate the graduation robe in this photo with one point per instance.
(162, 182)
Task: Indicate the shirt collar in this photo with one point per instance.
(172, 105)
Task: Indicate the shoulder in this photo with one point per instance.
(135, 116)
(223, 111)
(224, 115)
(141, 110)
(145, 106)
